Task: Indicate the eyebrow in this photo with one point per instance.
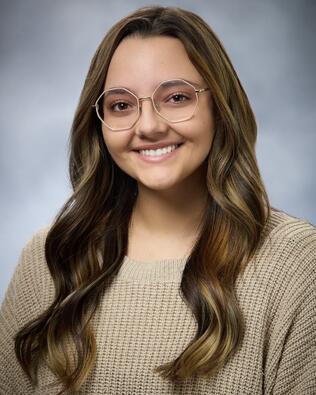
(170, 82)
(117, 88)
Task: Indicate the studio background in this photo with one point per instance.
(46, 48)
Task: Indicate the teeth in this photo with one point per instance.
(158, 152)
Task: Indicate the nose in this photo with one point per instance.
(149, 122)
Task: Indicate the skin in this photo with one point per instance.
(171, 194)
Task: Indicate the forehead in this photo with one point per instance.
(140, 64)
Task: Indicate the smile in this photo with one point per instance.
(158, 155)
(159, 151)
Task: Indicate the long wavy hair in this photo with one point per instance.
(88, 240)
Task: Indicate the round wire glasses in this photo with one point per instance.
(173, 100)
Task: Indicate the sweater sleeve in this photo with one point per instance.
(21, 304)
(296, 372)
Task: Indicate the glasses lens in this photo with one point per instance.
(118, 109)
(175, 100)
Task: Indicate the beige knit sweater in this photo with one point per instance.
(142, 322)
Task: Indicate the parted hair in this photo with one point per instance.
(88, 239)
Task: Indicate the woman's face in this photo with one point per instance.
(140, 64)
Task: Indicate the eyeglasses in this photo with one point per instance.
(173, 100)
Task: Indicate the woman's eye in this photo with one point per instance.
(120, 106)
(178, 97)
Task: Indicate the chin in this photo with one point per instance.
(158, 186)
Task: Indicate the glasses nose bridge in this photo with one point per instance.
(151, 99)
(141, 99)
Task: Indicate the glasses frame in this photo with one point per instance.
(151, 98)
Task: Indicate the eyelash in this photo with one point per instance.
(179, 94)
(112, 106)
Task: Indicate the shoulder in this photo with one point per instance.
(31, 281)
(36, 244)
(284, 266)
(34, 253)
(287, 227)
(289, 239)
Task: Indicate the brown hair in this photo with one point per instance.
(94, 221)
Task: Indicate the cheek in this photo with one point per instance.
(114, 143)
(201, 133)
(207, 132)
(206, 123)
(117, 145)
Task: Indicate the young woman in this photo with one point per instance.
(166, 272)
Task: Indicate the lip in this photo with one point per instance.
(160, 158)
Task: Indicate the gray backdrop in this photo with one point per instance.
(46, 48)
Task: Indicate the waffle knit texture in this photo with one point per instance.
(142, 322)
